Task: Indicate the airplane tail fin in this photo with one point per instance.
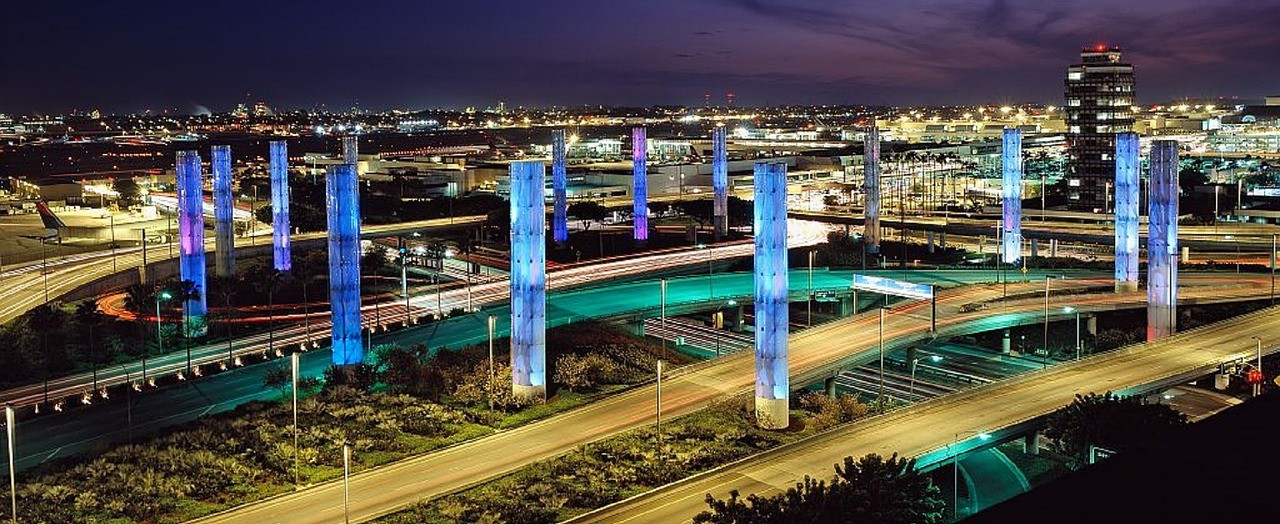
(50, 220)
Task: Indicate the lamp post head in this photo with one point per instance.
(936, 358)
(164, 295)
(1069, 309)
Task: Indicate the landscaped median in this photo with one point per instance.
(612, 469)
(414, 402)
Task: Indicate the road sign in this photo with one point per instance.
(893, 287)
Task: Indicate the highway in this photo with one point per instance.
(393, 311)
(814, 354)
(22, 287)
(59, 435)
(928, 429)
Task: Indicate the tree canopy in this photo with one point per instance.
(869, 489)
(1111, 421)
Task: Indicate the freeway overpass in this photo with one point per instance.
(814, 354)
(1254, 237)
(936, 429)
(22, 287)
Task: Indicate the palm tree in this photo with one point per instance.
(88, 316)
(45, 318)
(269, 286)
(138, 299)
(184, 292)
(226, 288)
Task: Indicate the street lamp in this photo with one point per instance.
(955, 469)
(293, 360)
(1045, 346)
(13, 483)
(933, 358)
(880, 396)
(719, 317)
(346, 482)
(809, 302)
(1068, 310)
(658, 412)
(163, 295)
(710, 283)
(663, 315)
(492, 320)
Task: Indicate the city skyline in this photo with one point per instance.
(452, 55)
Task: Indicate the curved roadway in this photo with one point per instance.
(814, 353)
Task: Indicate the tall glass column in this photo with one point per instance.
(871, 188)
(773, 384)
(559, 189)
(720, 182)
(342, 203)
(224, 239)
(281, 254)
(1162, 241)
(639, 185)
(1011, 156)
(1127, 212)
(528, 281)
(191, 240)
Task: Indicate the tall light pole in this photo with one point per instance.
(163, 295)
(711, 287)
(492, 321)
(346, 482)
(1047, 278)
(663, 315)
(13, 479)
(658, 412)
(955, 471)
(1071, 309)
(880, 396)
(914, 362)
(809, 302)
(297, 468)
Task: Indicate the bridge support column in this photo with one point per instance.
(1053, 248)
(942, 240)
(773, 383)
(1035, 248)
(191, 240)
(1031, 444)
(1162, 241)
(528, 281)
(1006, 344)
(342, 188)
(871, 188)
(1091, 325)
(848, 306)
(639, 186)
(929, 240)
(830, 386)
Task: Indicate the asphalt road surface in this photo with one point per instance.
(814, 354)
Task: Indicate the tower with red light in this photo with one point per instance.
(1099, 100)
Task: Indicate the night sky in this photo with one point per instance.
(131, 56)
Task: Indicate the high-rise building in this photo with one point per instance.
(1099, 92)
